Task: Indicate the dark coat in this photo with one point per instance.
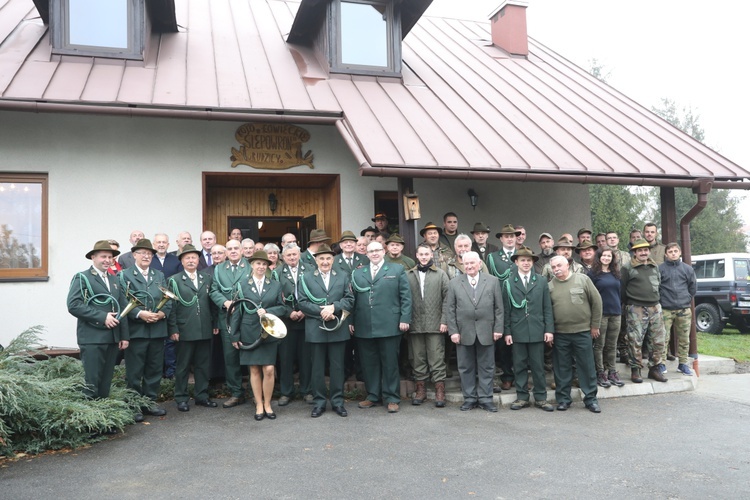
(527, 322)
(380, 304)
(427, 312)
(148, 293)
(283, 275)
(500, 265)
(92, 314)
(474, 319)
(193, 314)
(172, 264)
(358, 260)
(246, 327)
(224, 285)
(313, 295)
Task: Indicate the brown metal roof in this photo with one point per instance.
(463, 109)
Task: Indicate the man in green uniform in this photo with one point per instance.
(223, 290)
(324, 295)
(191, 324)
(144, 358)
(528, 327)
(348, 260)
(577, 309)
(382, 314)
(317, 238)
(95, 299)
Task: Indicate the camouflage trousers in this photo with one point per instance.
(644, 320)
(681, 319)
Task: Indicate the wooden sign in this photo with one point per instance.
(271, 146)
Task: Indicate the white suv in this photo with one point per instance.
(723, 291)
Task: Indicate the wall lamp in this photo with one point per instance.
(473, 198)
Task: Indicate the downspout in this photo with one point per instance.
(702, 191)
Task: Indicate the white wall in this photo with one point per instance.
(108, 176)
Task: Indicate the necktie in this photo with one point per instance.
(106, 281)
(349, 261)
(234, 268)
(325, 279)
(294, 277)
(375, 271)
(526, 282)
(259, 286)
(208, 259)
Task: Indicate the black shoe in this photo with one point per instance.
(155, 411)
(138, 417)
(563, 406)
(207, 403)
(496, 389)
(260, 416)
(468, 406)
(271, 415)
(183, 406)
(340, 411)
(488, 407)
(594, 408)
(317, 411)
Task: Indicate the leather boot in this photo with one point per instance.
(440, 394)
(420, 395)
(635, 375)
(655, 373)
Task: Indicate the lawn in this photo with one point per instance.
(728, 344)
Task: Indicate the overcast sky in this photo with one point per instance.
(693, 52)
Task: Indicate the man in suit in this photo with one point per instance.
(208, 240)
(163, 261)
(317, 238)
(324, 295)
(144, 358)
(293, 347)
(226, 279)
(95, 299)
(348, 260)
(481, 233)
(528, 326)
(474, 310)
(382, 314)
(127, 260)
(191, 325)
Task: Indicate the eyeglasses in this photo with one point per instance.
(144, 254)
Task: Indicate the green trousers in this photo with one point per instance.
(195, 354)
(334, 352)
(294, 348)
(567, 348)
(144, 364)
(379, 360)
(98, 368)
(232, 369)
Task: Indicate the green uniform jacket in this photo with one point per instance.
(193, 314)
(92, 314)
(308, 259)
(528, 312)
(380, 304)
(148, 293)
(358, 260)
(246, 327)
(224, 285)
(283, 275)
(313, 295)
(500, 265)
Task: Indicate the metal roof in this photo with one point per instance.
(464, 108)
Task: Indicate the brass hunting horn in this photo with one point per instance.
(339, 322)
(168, 295)
(270, 323)
(134, 301)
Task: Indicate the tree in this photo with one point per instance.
(718, 228)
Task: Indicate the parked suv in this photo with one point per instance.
(723, 291)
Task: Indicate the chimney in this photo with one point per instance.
(509, 27)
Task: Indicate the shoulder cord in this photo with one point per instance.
(88, 293)
(522, 305)
(493, 268)
(357, 288)
(313, 299)
(142, 295)
(244, 304)
(173, 286)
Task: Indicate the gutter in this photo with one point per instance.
(185, 114)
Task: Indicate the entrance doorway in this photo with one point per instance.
(302, 202)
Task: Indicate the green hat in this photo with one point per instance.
(260, 255)
(102, 246)
(368, 229)
(508, 229)
(395, 238)
(347, 236)
(480, 227)
(318, 235)
(323, 249)
(380, 216)
(143, 244)
(640, 243)
(188, 249)
(563, 243)
(524, 252)
(586, 244)
(429, 226)
(584, 230)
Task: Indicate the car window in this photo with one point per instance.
(712, 268)
(740, 269)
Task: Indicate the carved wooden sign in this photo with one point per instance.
(271, 146)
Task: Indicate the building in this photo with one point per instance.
(172, 115)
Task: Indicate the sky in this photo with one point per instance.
(693, 52)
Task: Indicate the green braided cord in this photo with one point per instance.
(356, 287)
(523, 303)
(244, 307)
(503, 276)
(274, 275)
(88, 293)
(173, 286)
(222, 288)
(313, 299)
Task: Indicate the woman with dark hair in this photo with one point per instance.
(235, 234)
(605, 273)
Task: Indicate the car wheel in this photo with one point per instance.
(708, 319)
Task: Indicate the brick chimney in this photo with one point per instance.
(509, 27)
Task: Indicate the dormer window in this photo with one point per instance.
(365, 36)
(101, 28)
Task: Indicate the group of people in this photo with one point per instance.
(351, 303)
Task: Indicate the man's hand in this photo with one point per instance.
(148, 317)
(296, 315)
(227, 303)
(326, 312)
(456, 338)
(216, 331)
(351, 329)
(443, 328)
(236, 345)
(111, 321)
(594, 333)
(123, 344)
(508, 339)
(549, 339)
(175, 337)
(404, 327)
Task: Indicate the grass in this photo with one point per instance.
(728, 344)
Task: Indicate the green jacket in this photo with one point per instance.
(528, 312)
(283, 275)
(150, 294)
(90, 301)
(224, 286)
(358, 260)
(193, 314)
(427, 313)
(381, 303)
(405, 261)
(245, 324)
(313, 295)
(500, 265)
